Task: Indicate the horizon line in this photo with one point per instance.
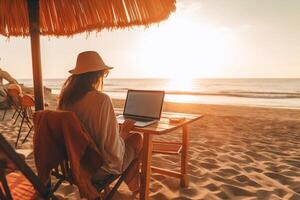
(172, 78)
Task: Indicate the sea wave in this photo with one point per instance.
(245, 94)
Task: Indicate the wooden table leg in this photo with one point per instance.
(184, 156)
(146, 166)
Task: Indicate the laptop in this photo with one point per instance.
(142, 106)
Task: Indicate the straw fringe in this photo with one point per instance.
(68, 17)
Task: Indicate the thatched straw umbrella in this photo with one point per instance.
(67, 17)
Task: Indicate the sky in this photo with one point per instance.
(202, 39)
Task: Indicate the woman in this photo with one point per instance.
(82, 94)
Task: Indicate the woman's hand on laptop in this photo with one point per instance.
(126, 127)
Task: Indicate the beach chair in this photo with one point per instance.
(13, 96)
(63, 174)
(20, 186)
(26, 113)
(8, 102)
(46, 123)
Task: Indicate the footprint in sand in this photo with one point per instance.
(291, 173)
(211, 187)
(256, 156)
(295, 186)
(253, 169)
(295, 197)
(236, 191)
(209, 166)
(222, 195)
(280, 192)
(294, 163)
(245, 180)
(263, 194)
(285, 180)
(227, 181)
(228, 172)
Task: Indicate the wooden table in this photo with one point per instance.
(164, 126)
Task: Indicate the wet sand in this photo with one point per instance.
(235, 153)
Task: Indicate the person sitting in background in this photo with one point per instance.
(4, 75)
(15, 87)
(82, 94)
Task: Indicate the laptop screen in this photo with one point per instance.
(144, 103)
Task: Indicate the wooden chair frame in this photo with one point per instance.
(13, 98)
(27, 103)
(64, 175)
(45, 192)
(5, 192)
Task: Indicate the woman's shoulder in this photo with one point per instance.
(97, 95)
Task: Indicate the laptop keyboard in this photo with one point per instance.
(139, 119)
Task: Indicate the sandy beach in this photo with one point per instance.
(235, 153)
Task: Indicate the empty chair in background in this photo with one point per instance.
(13, 92)
(26, 112)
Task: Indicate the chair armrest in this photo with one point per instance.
(6, 166)
(5, 163)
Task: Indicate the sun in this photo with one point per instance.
(182, 48)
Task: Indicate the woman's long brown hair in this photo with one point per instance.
(76, 86)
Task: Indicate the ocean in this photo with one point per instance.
(279, 93)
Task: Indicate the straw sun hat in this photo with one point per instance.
(89, 61)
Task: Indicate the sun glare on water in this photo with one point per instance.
(179, 85)
(178, 88)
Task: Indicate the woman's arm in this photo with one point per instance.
(110, 142)
(126, 127)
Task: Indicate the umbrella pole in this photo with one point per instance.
(33, 10)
